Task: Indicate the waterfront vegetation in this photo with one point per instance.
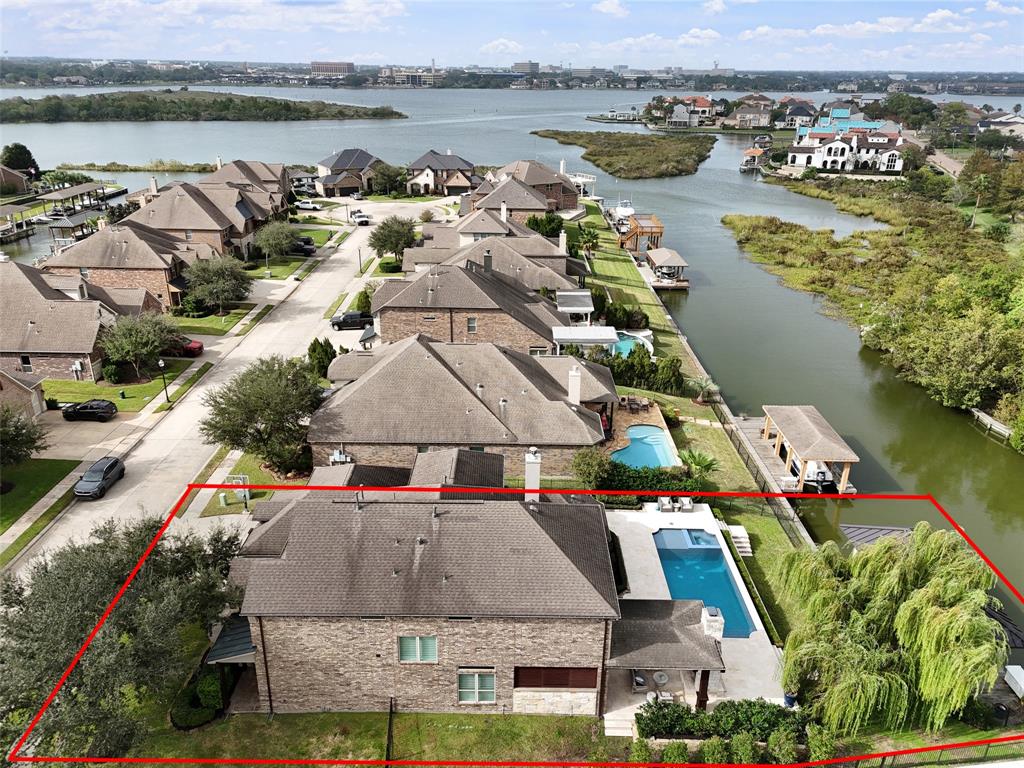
(943, 301)
(140, 106)
(30, 480)
(136, 396)
(162, 166)
(637, 155)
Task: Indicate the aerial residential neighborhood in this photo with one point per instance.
(426, 409)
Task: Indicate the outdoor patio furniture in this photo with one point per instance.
(665, 696)
(640, 684)
(645, 404)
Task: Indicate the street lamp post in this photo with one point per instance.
(160, 364)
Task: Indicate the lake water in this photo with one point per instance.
(763, 343)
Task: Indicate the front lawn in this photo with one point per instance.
(362, 736)
(212, 324)
(32, 479)
(248, 465)
(412, 199)
(320, 236)
(379, 270)
(281, 267)
(137, 396)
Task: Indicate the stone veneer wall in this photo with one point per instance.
(554, 701)
(492, 326)
(351, 664)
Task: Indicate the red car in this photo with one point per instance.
(184, 347)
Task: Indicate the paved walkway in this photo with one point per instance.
(950, 165)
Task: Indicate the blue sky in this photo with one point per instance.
(745, 34)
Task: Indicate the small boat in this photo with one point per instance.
(623, 210)
(763, 141)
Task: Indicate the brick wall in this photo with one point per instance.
(556, 460)
(349, 664)
(55, 366)
(27, 401)
(492, 326)
(153, 280)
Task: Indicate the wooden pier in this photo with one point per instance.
(990, 425)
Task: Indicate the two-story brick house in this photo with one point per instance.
(440, 174)
(469, 304)
(345, 172)
(451, 605)
(478, 396)
(132, 255)
(555, 187)
(511, 199)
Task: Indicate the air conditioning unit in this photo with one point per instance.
(339, 457)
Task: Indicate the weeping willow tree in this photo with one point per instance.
(896, 633)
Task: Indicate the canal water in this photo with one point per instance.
(763, 343)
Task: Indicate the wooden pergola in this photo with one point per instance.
(642, 226)
(809, 437)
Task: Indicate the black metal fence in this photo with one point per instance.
(980, 753)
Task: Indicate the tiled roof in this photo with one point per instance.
(444, 558)
(466, 394)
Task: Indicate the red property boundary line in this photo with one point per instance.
(15, 757)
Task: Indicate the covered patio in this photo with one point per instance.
(802, 438)
(234, 654)
(578, 304)
(583, 336)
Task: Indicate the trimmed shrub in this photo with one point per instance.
(111, 373)
(821, 743)
(676, 752)
(640, 752)
(744, 749)
(426, 216)
(362, 302)
(715, 751)
(756, 717)
(390, 266)
(208, 691)
(782, 746)
(188, 712)
(52, 404)
(600, 296)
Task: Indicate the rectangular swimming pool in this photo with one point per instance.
(695, 569)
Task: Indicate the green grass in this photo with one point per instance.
(310, 219)
(413, 199)
(335, 305)
(32, 480)
(212, 325)
(179, 393)
(879, 740)
(247, 465)
(378, 272)
(638, 155)
(371, 261)
(203, 476)
(137, 396)
(255, 321)
(320, 236)
(362, 736)
(281, 267)
(33, 530)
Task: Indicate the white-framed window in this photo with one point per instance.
(476, 686)
(890, 162)
(84, 272)
(470, 325)
(420, 649)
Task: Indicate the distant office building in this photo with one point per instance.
(526, 68)
(413, 77)
(332, 68)
(620, 68)
(585, 72)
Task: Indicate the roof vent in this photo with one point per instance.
(395, 571)
(480, 390)
(434, 513)
(421, 540)
(444, 579)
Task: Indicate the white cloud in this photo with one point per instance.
(343, 16)
(943, 20)
(980, 37)
(881, 26)
(501, 45)
(612, 8)
(229, 45)
(713, 7)
(774, 33)
(828, 49)
(996, 7)
(654, 42)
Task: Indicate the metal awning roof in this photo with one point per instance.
(11, 210)
(367, 334)
(234, 643)
(69, 192)
(809, 434)
(574, 301)
(584, 334)
(666, 257)
(663, 634)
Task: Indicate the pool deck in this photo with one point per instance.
(624, 420)
(753, 664)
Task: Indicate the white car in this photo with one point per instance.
(361, 220)
(307, 205)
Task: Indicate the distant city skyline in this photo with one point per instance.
(741, 34)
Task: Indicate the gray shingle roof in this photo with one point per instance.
(516, 195)
(350, 160)
(445, 407)
(126, 245)
(35, 317)
(663, 634)
(532, 173)
(446, 558)
(269, 177)
(470, 287)
(186, 206)
(440, 161)
(520, 258)
(458, 467)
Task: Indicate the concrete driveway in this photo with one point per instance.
(88, 439)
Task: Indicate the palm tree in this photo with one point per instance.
(589, 239)
(705, 388)
(980, 185)
(701, 465)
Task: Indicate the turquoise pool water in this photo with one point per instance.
(695, 569)
(625, 344)
(649, 446)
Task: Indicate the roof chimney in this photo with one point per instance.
(488, 260)
(502, 407)
(504, 211)
(561, 166)
(153, 188)
(220, 163)
(574, 385)
(563, 241)
(531, 465)
(448, 151)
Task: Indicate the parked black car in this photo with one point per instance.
(301, 249)
(305, 239)
(99, 477)
(90, 410)
(352, 320)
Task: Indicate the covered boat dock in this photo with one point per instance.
(82, 197)
(667, 266)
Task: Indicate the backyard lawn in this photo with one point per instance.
(137, 396)
(247, 465)
(362, 736)
(212, 325)
(32, 479)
